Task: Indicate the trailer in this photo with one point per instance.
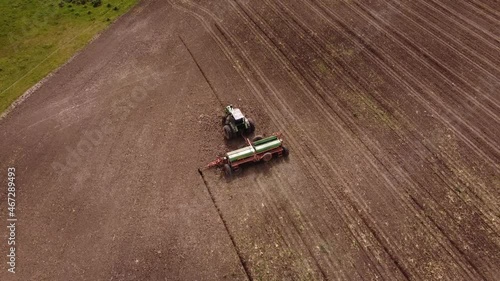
(259, 149)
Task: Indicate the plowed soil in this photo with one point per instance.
(390, 109)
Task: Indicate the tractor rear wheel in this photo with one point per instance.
(228, 133)
(228, 171)
(251, 126)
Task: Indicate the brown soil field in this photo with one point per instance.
(390, 109)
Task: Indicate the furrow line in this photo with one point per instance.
(485, 8)
(296, 206)
(285, 232)
(330, 163)
(337, 202)
(362, 44)
(289, 237)
(454, 16)
(441, 67)
(371, 145)
(454, 22)
(269, 86)
(480, 12)
(410, 139)
(439, 33)
(224, 223)
(478, 271)
(252, 86)
(435, 65)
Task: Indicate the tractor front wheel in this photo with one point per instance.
(251, 126)
(228, 133)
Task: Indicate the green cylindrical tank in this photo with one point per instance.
(264, 140)
(259, 146)
(267, 146)
(241, 153)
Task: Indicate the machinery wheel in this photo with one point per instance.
(228, 133)
(237, 171)
(228, 171)
(267, 156)
(257, 137)
(223, 120)
(251, 126)
(285, 152)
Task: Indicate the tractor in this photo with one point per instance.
(235, 123)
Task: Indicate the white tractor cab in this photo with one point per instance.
(235, 123)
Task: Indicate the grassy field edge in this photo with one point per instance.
(37, 38)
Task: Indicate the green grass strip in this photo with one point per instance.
(36, 37)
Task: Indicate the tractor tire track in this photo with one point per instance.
(289, 133)
(297, 79)
(371, 147)
(468, 30)
(441, 68)
(305, 242)
(305, 156)
(282, 44)
(487, 86)
(438, 33)
(352, 81)
(463, 22)
(429, 146)
(286, 239)
(291, 140)
(243, 262)
(404, 80)
(416, 52)
(470, 14)
(268, 84)
(486, 9)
